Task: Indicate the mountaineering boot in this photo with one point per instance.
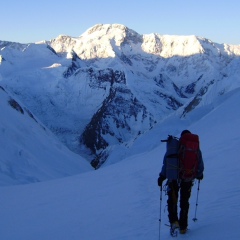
(183, 231)
(173, 228)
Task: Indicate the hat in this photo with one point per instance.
(184, 132)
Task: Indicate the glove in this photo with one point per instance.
(199, 177)
(160, 180)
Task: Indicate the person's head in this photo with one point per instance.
(184, 132)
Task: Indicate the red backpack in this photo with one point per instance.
(188, 156)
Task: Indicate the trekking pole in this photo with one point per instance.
(195, 217)
(160, 213)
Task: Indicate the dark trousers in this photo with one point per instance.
(185, 192)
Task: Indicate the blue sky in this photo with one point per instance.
(31, 21)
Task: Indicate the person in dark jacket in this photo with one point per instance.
(170, 171)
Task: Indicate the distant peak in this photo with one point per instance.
(100, 27)
(110, 27)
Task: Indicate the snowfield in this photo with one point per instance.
(122, 201)
(110, 96)
(29, 152)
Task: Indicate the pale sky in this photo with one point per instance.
(28, 21)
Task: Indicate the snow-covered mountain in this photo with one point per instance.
(102, 91)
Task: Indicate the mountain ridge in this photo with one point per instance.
(114, 85)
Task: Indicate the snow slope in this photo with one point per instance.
(29, 152)
(121, 201)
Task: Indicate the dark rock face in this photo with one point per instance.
(115, 117)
